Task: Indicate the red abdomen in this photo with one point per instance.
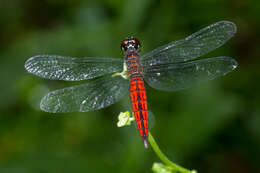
(139, 104)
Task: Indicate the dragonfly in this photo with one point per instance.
(170, 67)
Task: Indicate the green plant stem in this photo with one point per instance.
(164, 158)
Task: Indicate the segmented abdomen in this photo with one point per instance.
(139, 104)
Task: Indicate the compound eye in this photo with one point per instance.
(124, 48)
(137, 46)
(137, 43)
(123, 45)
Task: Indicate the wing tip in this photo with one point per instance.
(29, 62)
(43, 105)
(232, 61)
(46, 104)
(234, 64)
(232, 25)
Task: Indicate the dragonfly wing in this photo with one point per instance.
(173, 77)
(94, 95)
(193, 46)
(72, 69)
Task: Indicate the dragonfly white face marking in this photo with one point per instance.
(170, 67)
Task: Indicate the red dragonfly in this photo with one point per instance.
(169, 68)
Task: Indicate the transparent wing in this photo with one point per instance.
(72, 69)
(193, 46)
(173, 77)
(94, 95)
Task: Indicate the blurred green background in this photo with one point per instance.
(213, 127)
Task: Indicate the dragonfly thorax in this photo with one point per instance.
(130, 44)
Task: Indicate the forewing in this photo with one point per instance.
(193, 46)
(72, 69)
(94, 95)
(173, 77)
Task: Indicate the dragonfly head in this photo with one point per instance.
(130, 44)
